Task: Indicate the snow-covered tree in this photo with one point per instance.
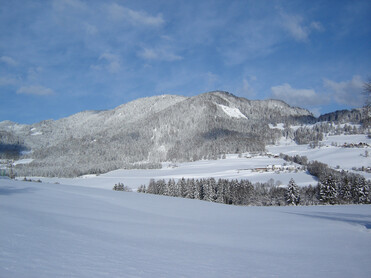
(345, 190)
(292, 193)
(360, 190)
(328, 191)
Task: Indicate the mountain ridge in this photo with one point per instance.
(151, 130)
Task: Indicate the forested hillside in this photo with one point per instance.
(144, 132)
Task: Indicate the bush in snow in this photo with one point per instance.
(122, 187)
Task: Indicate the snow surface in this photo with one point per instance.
(279, 126)
(232, 112)
(345, 158)
(37, 133)
(23, 161)
(50, 230)
(230, 168)
(234, 167)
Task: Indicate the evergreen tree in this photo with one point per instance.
(292, 193)
(191, 189)
(213, 189)
(328, 191)
(172, 188)
(220, 192)
(182, 187)
(198, 190)
(346, 190)
(360, 190)
(142, 189)
(151, 189)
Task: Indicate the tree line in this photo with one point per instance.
(243, 192)
(335, 187)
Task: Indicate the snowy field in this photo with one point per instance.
(50, 230)
(345, 158)
(230, 168)
(234, 167)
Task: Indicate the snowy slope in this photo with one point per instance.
(50, 230)
(232, 112)
(331, 152)
(230, 168)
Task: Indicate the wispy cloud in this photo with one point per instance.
(296, 27)
(246, 90)
(8, 60)
(104, 48)
(68, 4)
(316, 25)
(346, 92)
(119, 12)
(161, 54)
(35, 90)
(108, 61)
(8, 80)
(297, 97)
(90, 28)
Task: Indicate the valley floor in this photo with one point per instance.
(232, 167)
(246, 167)
(55, 230)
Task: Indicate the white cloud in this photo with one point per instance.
(119, 12)
(161, 54)
(315, 25)
(68, 4)
(5, 81)
(34, 73)
(113, 62)
(90, 29)
(297, 97)
(346, 92)
(8, 60)
(211, 81)
(295, 26)
(246, 89)
(316, 111)
(253, 77)
(35, 90)
(108, 61)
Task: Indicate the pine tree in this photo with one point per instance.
(172, 188)
(142, 189)
(213, 189)
(220, 191)
(151, 187)
(361, 191)
(191, 189)
(328, 191)
(198, 190)
(346, 190)
(292, 193)
(182, 187)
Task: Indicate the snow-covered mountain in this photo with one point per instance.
(147, 131)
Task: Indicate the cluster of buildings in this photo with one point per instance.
(278, 168)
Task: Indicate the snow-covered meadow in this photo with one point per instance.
(77, 228)
(331, 151)
(244, 167)
(54, 230)
(233, 167)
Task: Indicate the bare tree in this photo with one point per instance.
(367, 95)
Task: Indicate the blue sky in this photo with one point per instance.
(64, 56)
